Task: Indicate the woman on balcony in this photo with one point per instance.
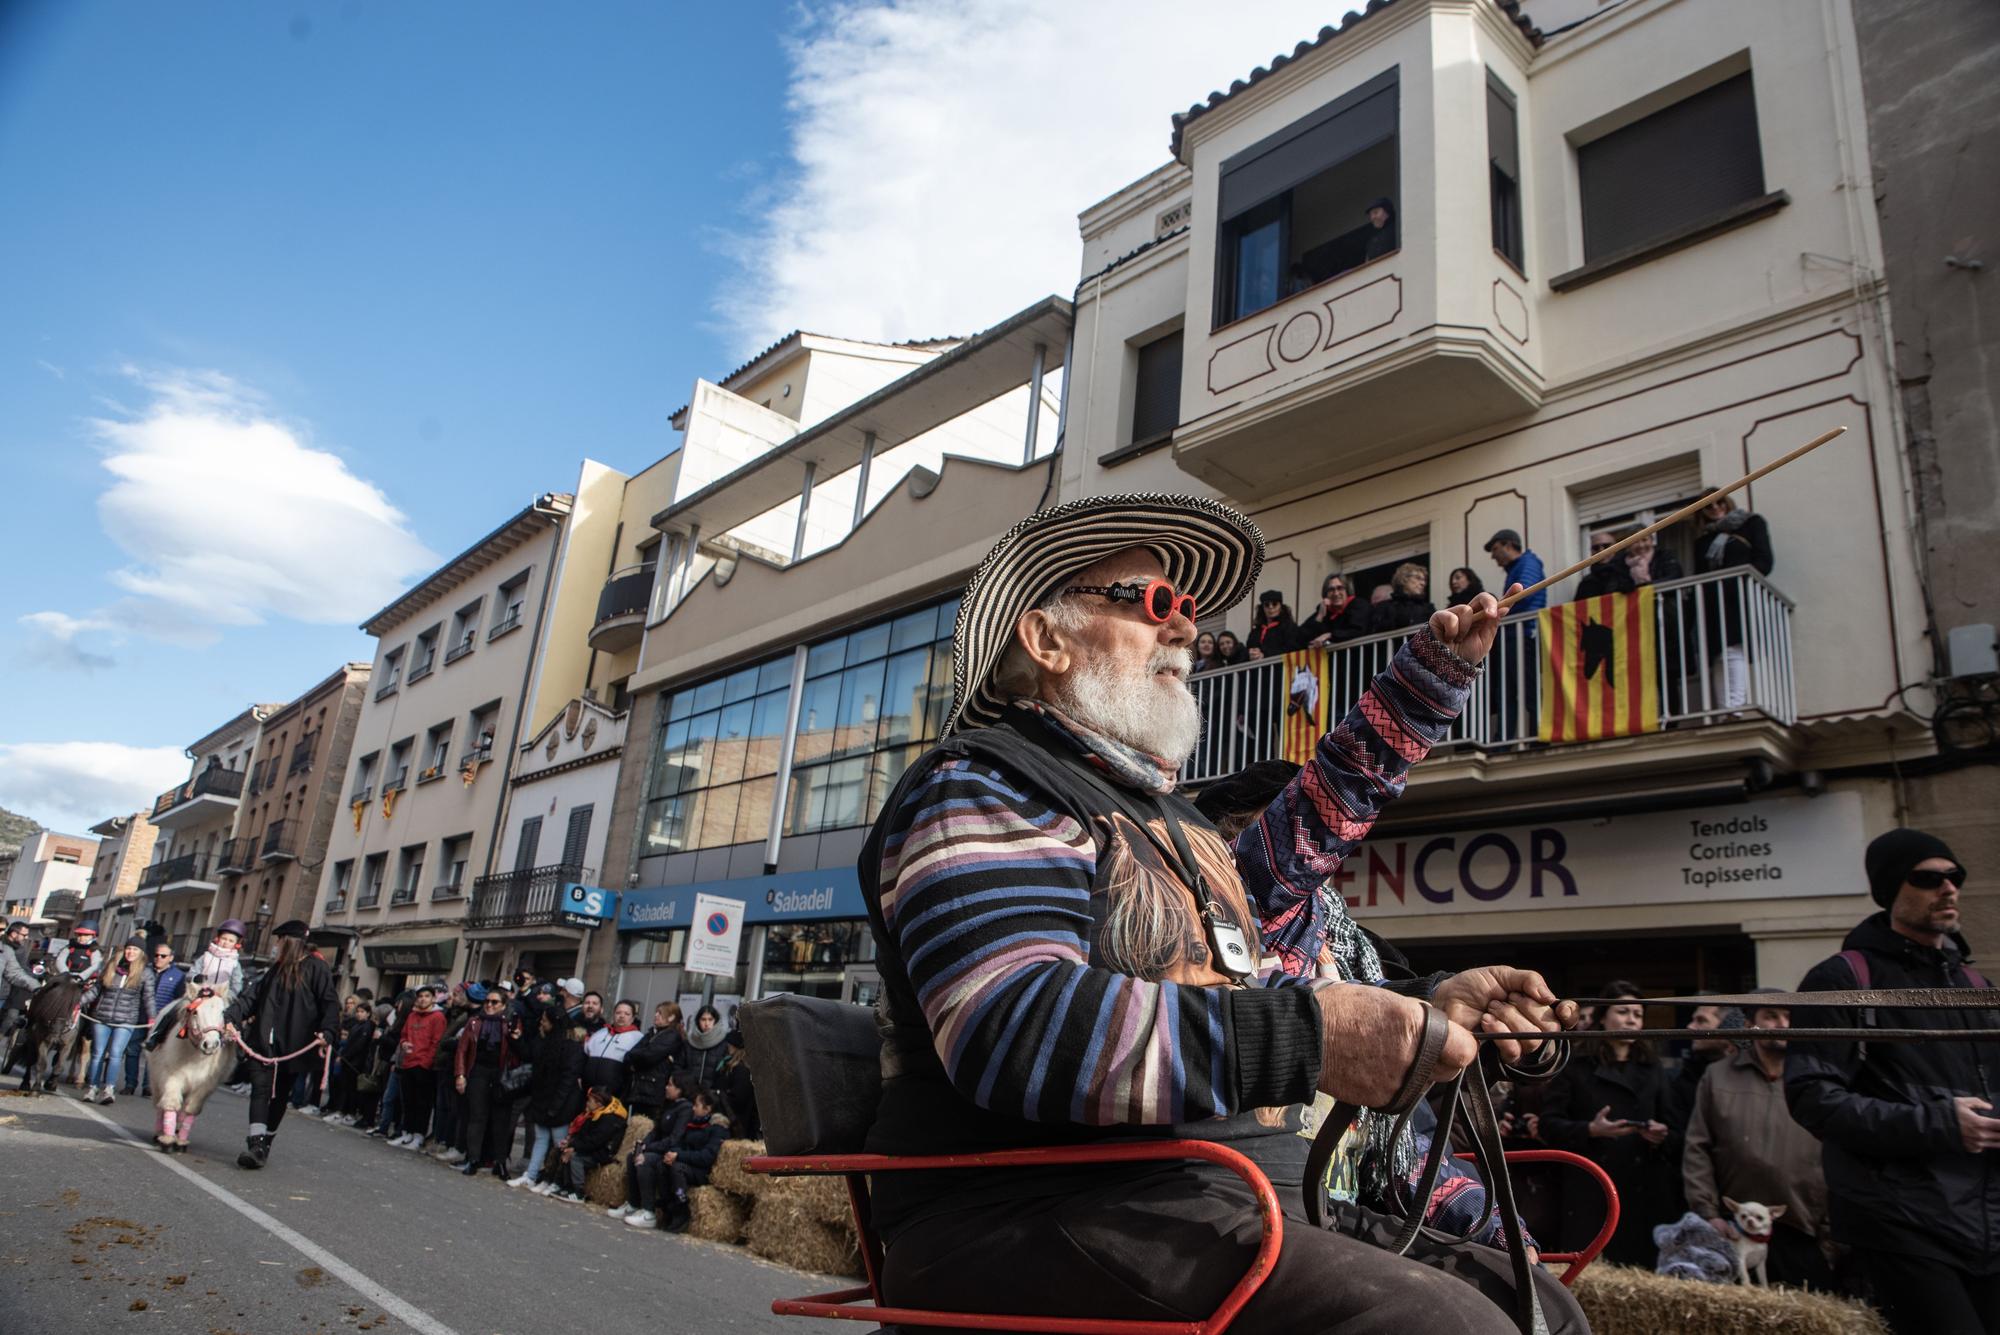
(1273, 632)
(1409, 601)
(1733, 538)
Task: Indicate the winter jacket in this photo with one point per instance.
(741, 1097)
(555, 1090)
(1615, 576)
(219, 969)
(1647, 1176)
(704, 1058)
(128, 1000)
(81, 962)
(1898, 1176)
(288, 1018)
(666, 1131)
(168, 985)
(1273, 639)
(16, 983)
(1722, 604)
(655, 1057)
(699, 1143)
(600, 1133)
(1349, 622)
(1742, 1143)
(604, 1054)
(1400, 612)
(467, 1055)
(422, 1032)
(445, 1062)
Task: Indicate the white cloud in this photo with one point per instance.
(941, 150)
(55, 642)
(231, 516)
(70, 786)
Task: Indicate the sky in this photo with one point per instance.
(297, 300)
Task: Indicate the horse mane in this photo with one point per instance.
(58, 999)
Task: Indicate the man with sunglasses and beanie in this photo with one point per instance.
(1071, 953)
(1909, 1134)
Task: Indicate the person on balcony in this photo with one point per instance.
(1059, 964)
(1519, 685)
(1408, 603)
(1464, 585)
(1732, 539)
(1273, 633)
(1229, 649)
(1381, 228)
(1338, 617)
(1204, 652)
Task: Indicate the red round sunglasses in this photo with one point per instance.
(1157, 598)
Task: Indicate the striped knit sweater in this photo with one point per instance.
(985, 892)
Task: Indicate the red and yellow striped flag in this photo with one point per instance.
(1600, 668)
(1306, 701)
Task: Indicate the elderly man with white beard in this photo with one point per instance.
(1071, 953)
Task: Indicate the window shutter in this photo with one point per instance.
(1410, 545)
(576, 840)
(1156, 390)
(1336, 132)
(1676, 480)
(1679, 165)
(530, 844)
(1502, 131)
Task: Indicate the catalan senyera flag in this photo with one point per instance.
(1600, 668)
(1307, 693)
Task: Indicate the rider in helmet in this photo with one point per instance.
(216, 968)
(81, 959)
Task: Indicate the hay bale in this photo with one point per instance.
(728, 1171)
(1623, 1300)
(716, 1215)
(779, 1232)
(605, 1184)
(823, 1200)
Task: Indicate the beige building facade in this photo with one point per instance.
(1622, 264)
(196, 821)
(124, 847)
(50, 877)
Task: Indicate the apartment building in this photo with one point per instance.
(50, 874)
(268, 870)
(1458, 266)
(797, 652)
(124, 847)
(196, 819)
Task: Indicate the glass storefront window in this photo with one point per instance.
(809, 958)
(719, 733)
(668, 948)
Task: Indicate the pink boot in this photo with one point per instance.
(163, 1125)
(186, 1131)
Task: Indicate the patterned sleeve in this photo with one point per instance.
(986, 896)
(1288, 855)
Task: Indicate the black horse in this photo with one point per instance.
(53, 1029)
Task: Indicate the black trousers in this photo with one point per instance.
(419, 1092)
(271, 1088)
(485, 1112)
(1167, 1244)
(1922, 1297)
(642, 1179)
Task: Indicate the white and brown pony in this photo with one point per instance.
(187, 1067)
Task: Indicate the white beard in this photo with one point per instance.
(1159, 718)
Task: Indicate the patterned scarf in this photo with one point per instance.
(1127, 764)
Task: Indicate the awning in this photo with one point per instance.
(412, 956)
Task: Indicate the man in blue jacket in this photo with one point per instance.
(1519, 682)
(169, 981)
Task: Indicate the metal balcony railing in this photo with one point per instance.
(463, 647)
(186, 867)
(626, 593)
(530, 898)
(216, 782)
(1723, 645)
(280, 841)
(236, 855)
(396, 782)
(508, 622)
(302, 754)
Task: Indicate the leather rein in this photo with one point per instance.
(1470, 1094)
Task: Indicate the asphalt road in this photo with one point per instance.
(339, 1233)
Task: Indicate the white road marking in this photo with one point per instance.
(410, 1315)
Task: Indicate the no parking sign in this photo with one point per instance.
(714, 936)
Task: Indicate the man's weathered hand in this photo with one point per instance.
(1468, 629)
(1369, 1038)
(1501, 1000)
(1977, 1126)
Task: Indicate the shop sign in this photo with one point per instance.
(715, 936)
(828, 894)
(418, 957)
(587, 905)
(1782, 848)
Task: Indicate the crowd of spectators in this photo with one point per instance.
(538, 1084)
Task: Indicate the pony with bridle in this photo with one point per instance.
(53, 1030)
(188, 1067)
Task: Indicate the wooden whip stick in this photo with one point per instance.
(1674, 518)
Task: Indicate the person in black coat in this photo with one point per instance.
(645, 1166)
(657, 1055)
(1614, 1106)
(1463, 586)
(1732, 539)
(555, 1089)
(1908, 1133)
(1273, 632)
(1339, 616)
(1409, 601)
(706, 1051)
(292, 1005)
(739, 1095)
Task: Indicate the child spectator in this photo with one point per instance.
(594, 1138)
(685, 1164)
(644, 1166)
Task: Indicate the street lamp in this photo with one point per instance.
(263, 915)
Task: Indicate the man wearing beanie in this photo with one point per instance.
(1909, 1136)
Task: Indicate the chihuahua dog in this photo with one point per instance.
(1753, 1242)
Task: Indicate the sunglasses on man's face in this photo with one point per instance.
(1926, 879)
(1158, 599)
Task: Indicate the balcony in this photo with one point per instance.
(63, 905)
(397, 781)
(422, 668)
(280, 842)
(236, 856)
(403, 894)
(302, 754)
(189, 871)
(212, 793)
(1243, 707)
(464, 646)
(621, 609)
(530, 898)
(511, 621)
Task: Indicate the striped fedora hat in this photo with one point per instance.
(1207, 550)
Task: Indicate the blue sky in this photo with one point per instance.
(296, 298)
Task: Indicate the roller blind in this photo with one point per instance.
(1357, 120)
(1156, 391)
(1677, 480)
(1678, 166)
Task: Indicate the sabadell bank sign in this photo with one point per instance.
(803, 896)
(1781, 848)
